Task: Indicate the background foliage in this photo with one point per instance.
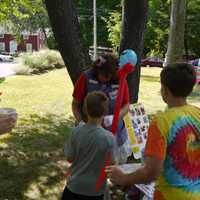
(38, 62)
(31, 15)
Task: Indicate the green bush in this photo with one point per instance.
(38, 62)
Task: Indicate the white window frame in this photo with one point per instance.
(2, 46)
(28, 49)
(12, 44)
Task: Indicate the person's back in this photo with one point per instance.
(91, 145)
(180, 177)
(88, 148)
(179, 128)
(172, 151)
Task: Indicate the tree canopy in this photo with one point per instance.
(158, 28)
(31, 14)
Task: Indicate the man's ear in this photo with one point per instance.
(167, 91)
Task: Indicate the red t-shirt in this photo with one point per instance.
(80, 90)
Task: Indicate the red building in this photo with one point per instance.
(30, 42)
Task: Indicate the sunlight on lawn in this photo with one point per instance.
(149, 93)
(50, 92)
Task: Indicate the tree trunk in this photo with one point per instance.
(134, 19)
(65, 26)
(186, 34)
(175, 48)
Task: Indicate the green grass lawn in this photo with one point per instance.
(31, 157)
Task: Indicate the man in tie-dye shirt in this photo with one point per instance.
(173, 146)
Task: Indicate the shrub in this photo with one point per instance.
(38, 62)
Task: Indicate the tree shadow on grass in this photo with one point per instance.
(32, 159)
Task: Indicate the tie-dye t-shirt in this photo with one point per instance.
(174, 137)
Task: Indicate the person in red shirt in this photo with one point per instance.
(102, 76)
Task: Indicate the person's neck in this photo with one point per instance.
(177, 102)
(94, 121)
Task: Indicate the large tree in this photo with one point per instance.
(66, 29)
(175, 48)
(65, 25)
(134, 18)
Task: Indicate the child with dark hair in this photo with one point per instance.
(87, 149)
(179, 78)
(172, 152)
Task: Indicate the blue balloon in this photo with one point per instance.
(127, 56)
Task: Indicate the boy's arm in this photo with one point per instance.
(149, 172)
(69, 148)
(155, 152)
(76, 109)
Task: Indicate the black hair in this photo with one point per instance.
(107, 65)
(179, 78)
(96, 104)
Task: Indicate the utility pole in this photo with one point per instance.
(94, 30)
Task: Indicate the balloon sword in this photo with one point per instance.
(128, 60)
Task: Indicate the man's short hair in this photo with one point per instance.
(96, 104)
(179, 78)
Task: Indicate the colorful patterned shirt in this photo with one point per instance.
(174, 137)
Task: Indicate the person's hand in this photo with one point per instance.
(107, 121)
(116, 175)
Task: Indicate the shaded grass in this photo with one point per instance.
(32, 160)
